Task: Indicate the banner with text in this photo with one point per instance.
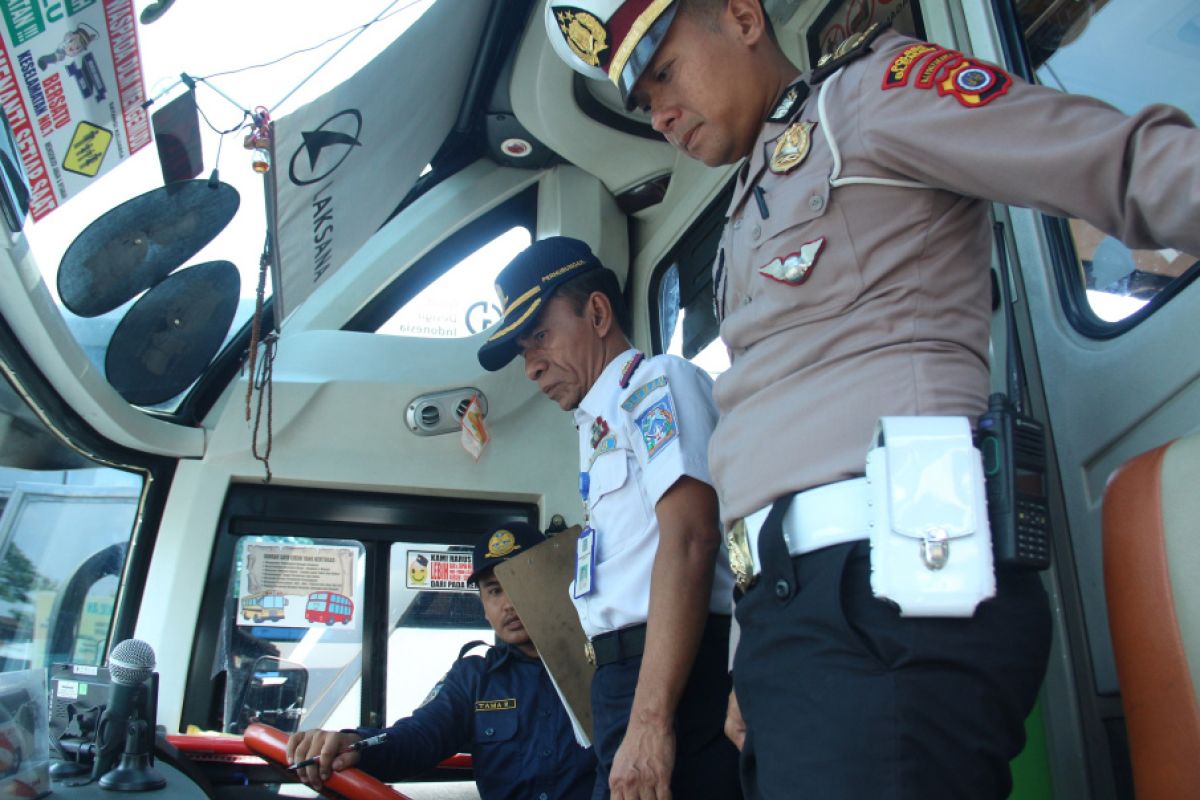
(342, 163)
(72, 91)
(298, 585)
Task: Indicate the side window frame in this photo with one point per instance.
(684, 246)
(1060, 243)
(156, 472)
(376, 521)
(518, 211)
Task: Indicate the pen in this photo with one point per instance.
(361, 744)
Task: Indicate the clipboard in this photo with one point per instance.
(538, 584)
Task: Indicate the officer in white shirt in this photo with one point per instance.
(652, 585)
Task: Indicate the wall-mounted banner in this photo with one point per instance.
(297, 586)
(436, 571)
(72, 91)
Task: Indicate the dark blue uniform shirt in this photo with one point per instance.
(503, 710)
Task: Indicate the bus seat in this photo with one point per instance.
(1152, 582)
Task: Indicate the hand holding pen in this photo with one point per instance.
(361, 744)
(309, 770)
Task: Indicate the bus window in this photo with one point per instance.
(1071, 47)
(273, 613)
(65, 527)
(432, 614)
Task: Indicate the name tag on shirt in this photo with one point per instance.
(585, 561)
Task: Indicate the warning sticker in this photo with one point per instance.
(438, 571)
(86, 152)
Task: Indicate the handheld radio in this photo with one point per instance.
(1014, 459)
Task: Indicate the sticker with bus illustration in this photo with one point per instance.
(328, 607)
(263, 607)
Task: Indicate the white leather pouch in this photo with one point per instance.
(931, 547)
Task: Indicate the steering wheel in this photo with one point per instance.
(352, 784)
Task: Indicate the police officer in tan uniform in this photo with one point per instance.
(852, 285)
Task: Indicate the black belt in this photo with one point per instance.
(614, 646)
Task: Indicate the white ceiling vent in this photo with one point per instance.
(441, 412)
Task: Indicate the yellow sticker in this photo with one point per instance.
(88, 147)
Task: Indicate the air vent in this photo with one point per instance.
(429, 416)
(441, 412)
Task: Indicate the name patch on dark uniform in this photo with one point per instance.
(496, 705)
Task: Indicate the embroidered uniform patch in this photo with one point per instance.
(935, 66)
(657, 424)
(897, 71)
(639, 395)
(974, 84)
(496, 705)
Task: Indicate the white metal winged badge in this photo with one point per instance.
(794, 268)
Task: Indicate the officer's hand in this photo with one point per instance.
(643, 764)
(325, 744)
(735, 726)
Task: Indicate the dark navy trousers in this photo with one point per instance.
(844, 699)
(706, 762)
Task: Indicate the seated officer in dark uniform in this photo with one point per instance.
(501, 708)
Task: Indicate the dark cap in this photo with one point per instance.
(524, 287)
(613, 39)
(502, 543)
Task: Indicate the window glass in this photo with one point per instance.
(462, 301)
(291, 644)
(432, 614)
(1074, 47)
(712, 357)
(65, 526)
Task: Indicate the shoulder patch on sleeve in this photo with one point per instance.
(974, 84)
(638, 395)
(657, 426)
(897, 72)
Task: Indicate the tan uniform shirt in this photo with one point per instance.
(893, 316)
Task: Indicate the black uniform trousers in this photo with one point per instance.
(845, 699)
(706, 762)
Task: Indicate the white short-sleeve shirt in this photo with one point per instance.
(635, 442)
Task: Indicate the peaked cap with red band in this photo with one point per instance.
(609, 39)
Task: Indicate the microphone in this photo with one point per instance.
(126, 721)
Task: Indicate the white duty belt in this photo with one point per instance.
(822, 517)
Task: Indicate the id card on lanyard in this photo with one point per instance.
(585, 547)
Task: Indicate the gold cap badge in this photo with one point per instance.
(584, 33)
(501, 544)
(792, 147)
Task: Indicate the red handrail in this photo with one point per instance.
(271, 744)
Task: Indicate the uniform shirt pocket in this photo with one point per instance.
(803, 267)
(607, 474)
(492, 727)
(617, 508)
